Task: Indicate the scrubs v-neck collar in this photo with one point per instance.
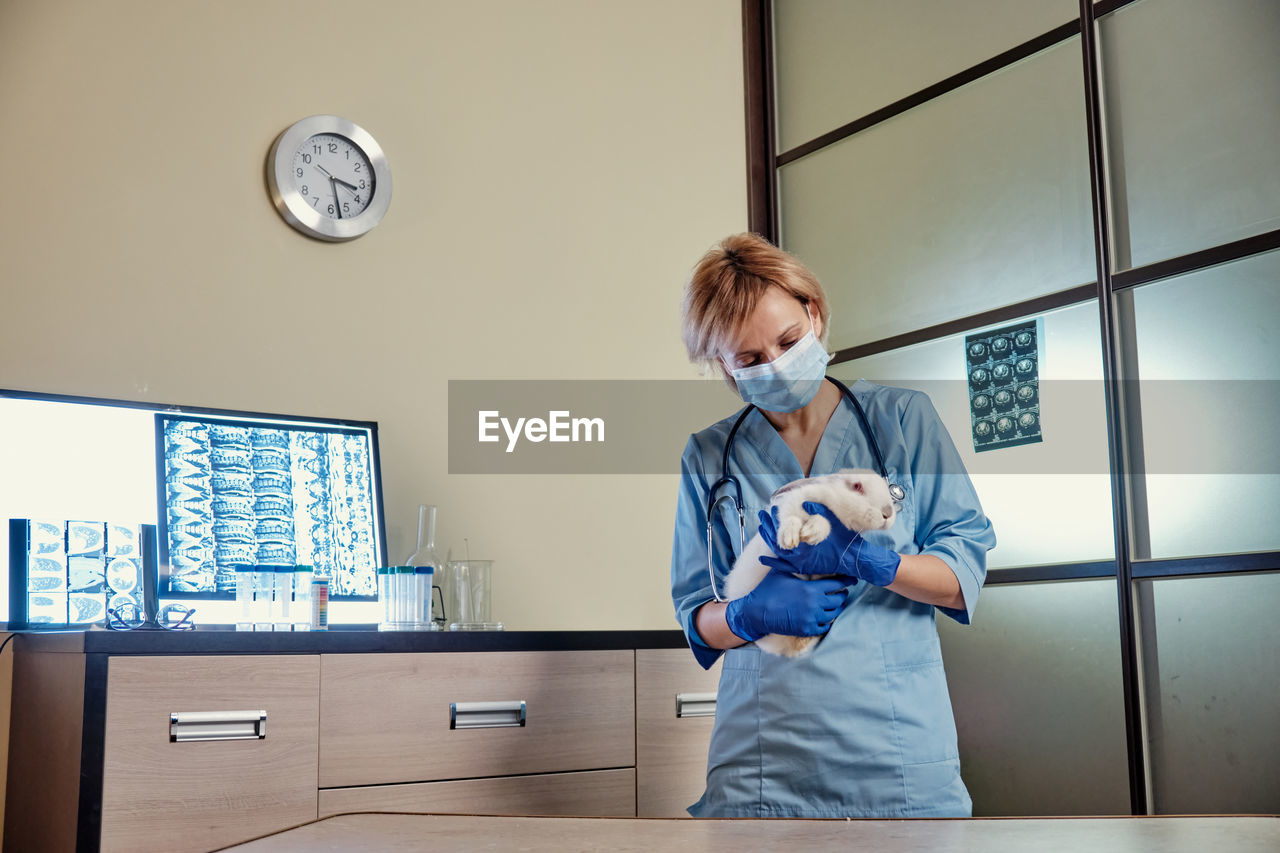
(833, 447)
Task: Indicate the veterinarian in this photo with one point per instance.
(862, 725)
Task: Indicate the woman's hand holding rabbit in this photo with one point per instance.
(843, 552)
(784, 604)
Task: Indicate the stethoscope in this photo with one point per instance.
(895, 491)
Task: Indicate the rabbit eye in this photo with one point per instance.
(855, 486)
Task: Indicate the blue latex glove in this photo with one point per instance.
(843, 552)
(784, 604)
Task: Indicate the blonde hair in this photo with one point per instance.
(729, 281)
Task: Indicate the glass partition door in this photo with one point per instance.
(1110, 170)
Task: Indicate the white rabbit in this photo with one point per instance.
(858, 497)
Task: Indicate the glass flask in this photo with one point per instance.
(424, 556)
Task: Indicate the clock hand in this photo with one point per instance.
(351, 187)
(337, 205)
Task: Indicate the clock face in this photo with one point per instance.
(334, 176)
(329, 178)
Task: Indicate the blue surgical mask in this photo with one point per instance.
(788, 382)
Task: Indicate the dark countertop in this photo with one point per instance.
(349, 640)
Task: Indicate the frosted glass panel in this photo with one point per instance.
(1028, 492)
(1210, 366)
(975, 200)
(1213, 691)
(1036, 687)
(1193, 113)
(836, 61)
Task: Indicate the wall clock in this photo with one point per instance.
(329, 178)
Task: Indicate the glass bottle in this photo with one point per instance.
(425, 556)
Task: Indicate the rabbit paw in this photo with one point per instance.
(814, 529)
(789, 532)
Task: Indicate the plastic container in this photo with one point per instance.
(302, 597)
(244, 597)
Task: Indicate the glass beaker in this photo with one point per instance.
(442, 597)
(470, 602)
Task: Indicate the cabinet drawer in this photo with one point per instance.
(387, 718)
(671, 751)
(594, 793)
(158, 794)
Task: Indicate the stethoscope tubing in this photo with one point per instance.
(727, 479)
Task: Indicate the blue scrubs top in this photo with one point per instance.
(861, 726)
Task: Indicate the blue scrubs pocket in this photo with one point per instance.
(733, 761)
(926, 730)
(922, 717)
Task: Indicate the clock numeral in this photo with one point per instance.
(357, 167)
(317, 149)
(330, 210)
(346, 206)
(299, 172)
(306, 158)
(305, 190)
(333, 148)
(357, 199)
(315, 199)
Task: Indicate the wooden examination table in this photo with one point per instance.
(395, 832)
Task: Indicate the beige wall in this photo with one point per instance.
(559, 166)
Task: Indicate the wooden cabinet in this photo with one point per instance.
(579, 714)
(538, 713)
(45, 751)
(356, 722)
(191, 795)
(594, 793)
(157, 793)
(675, 710)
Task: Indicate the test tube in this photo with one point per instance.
(384, 598)
(404, 603)
(422, 576)
(283, 616)
(264, 581)
(320, 602)
(244, 597)
(302, 597)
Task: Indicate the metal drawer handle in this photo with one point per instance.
(217, 725)
(695, 704)
(486, 715)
